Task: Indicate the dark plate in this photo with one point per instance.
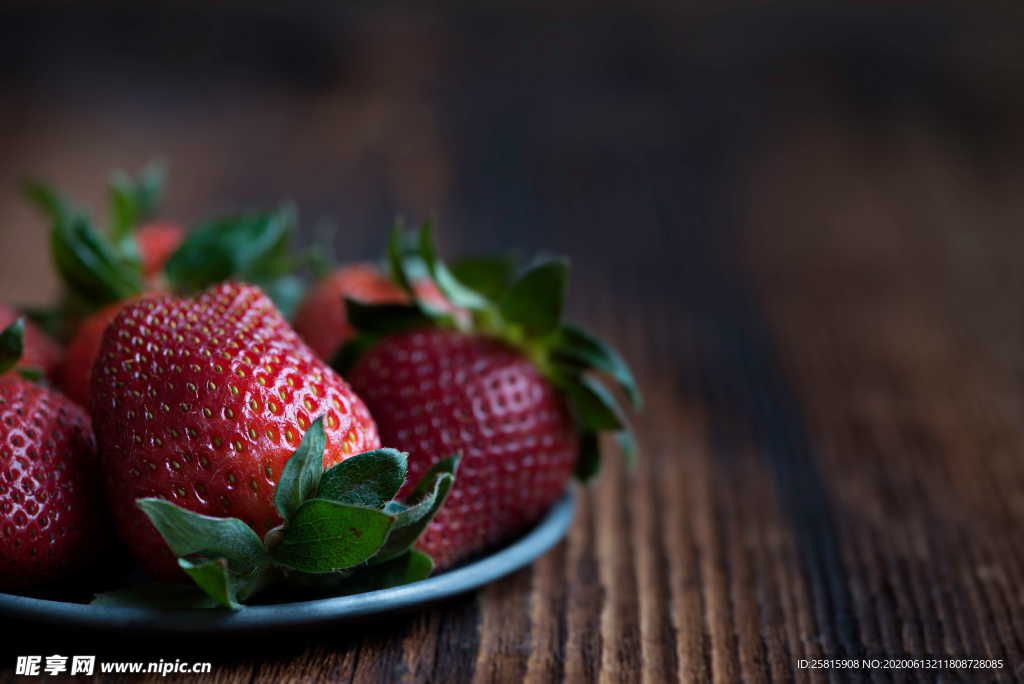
(306, 613)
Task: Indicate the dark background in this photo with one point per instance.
(802, 225)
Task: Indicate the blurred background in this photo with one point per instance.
(636, 137)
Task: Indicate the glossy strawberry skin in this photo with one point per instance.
(321, 318)
(436, 392)
(49, 498)
(201, 402)
(40, 350)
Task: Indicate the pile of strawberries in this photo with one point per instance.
(415, 416)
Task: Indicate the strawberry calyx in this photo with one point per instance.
(98, 267)
(12, 346)
(523, 307)
(343, 532)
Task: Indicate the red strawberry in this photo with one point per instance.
(75, 367)
(156, 242)
(511, 394)
(202, 401)
(437, 392)
(40, 351)
(321, 319)
(48, 478)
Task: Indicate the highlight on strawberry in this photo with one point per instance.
(512, 386)
(49, 493)
(343, 531)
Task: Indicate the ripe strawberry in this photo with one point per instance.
(40, 351)
(321, 318)
(48, 482)
(435, 392)
(510, 392)
(75, 367)
(157, 241)
(202, 401)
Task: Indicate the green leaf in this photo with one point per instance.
(324, 536)
(409, 567)
(593, 405)
(213, 578)
(285, 291)
(47, 199)
(535, 299)
(31, 374)
(89, 265)
(424, 503)
(490, 276)
(369, 479)
(156, 596)
(188, 533)
(351, 352)
(454, 291)
(397, 261)
(133, 201)
(384, 319)
(627, 445)
(588, 462)
(12, 344)
(247, 247)
(300, 477)
(589, 351)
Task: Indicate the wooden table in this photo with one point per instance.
(819, 287)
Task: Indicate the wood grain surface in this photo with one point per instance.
(815, 272)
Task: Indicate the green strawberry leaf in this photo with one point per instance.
(12, 344)
(398, 261)
(188, 533)
(325, 536)
(245, 246)
(534, 301)
(368, 480)
(51, 319)
(586, 350)
(627, 445)
(133, 201)
(490, 276)
(589, 460)
(47, 199)
(593, 405)
(454, 291)
(412, 566)
(300, 477)
(423, 504)
(156, 596)
(384, 319)
(89, 265)
(213, 578)
(31, 374)
(351, 351)
(285, 291)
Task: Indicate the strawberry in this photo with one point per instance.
(137, 256)
(321, 319)
(201, 401)
(510, 390)
(75, 367)
(40, 350)
(48, 487)
(157, 241)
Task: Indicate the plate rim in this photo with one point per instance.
(507, 560)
